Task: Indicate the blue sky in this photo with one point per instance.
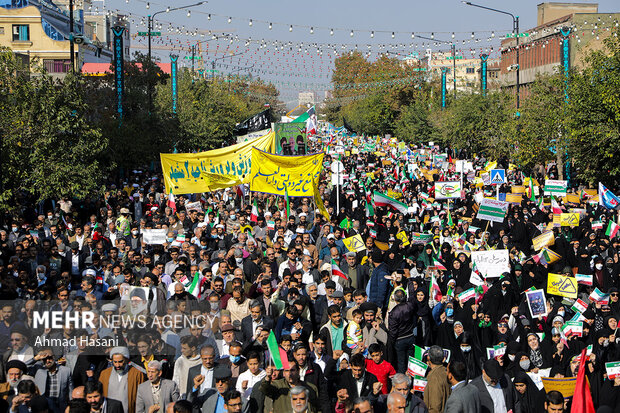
(293, 70)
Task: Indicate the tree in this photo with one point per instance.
(593, 115)
(538, 133)
(477, 123)
(49, 148)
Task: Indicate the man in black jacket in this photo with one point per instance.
(496, 389)
(357, 381)
(310, 372)
(401, 321)
(256, 319)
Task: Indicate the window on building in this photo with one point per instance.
(57, 65)
(470, 70)
(1, 29)
(21, 32)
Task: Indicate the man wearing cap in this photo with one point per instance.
(497, 393)
(121, 381)
(212, 399)
(156, 391)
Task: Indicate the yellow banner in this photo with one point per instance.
(566, 386)
(560, 285)
(543, 240)
(354, 243)
(188, 173)
(272, 174)
(571, 198)
(518, 189)
(514, 198)
(569, 220)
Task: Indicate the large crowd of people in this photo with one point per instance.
(190, 324)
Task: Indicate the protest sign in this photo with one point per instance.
(492, 210)
(291, 138)
(154, 236)
(536, 302)
(560, 285)
(188, 173)
(569, 220)
(402, 236)
(279, 175)
(543, 240)
(566, 386)
(193, 206)
(491, 263)
(447, 190)
(555, 187)
(355, 243)
(416, 367)
(418, 238)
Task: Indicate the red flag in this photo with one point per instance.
(582, 399)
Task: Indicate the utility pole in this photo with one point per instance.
(454, 68)
(71, 44)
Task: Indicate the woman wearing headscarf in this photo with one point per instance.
(467, 351)
(424, 317)
(540, 356)
(532, 399)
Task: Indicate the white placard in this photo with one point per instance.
(154, 236)
(491, 263)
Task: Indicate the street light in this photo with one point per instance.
(150, 18)
(453, 49)
(515, 29)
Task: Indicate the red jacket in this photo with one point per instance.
(383, 371)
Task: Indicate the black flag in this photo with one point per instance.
(256, 123)
(347, 126)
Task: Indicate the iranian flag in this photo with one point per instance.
(171, 202)
(196, 286)
(555, 207)
(386, 201)
(467, 295)
(437, 264)
(530, 190)
(277, 353)
(579, 306)
(433, 291)
(418, 352)
(337, 271)
(254, 214)
(612, 229)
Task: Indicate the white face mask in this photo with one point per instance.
(525, 364)
(511, 357)
(606, 343)
(134, 232)
(466, 349)
(599, 266)
(233, 217)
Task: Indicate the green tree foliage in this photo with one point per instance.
(593, 120)
(537, 135)
(48, 147)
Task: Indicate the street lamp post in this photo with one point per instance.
(150, 18)
(515, 30)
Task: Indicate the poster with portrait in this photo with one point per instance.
(291, 138)
(537, 303)
(134, 300)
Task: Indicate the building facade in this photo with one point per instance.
(40, 30)
(565, 33)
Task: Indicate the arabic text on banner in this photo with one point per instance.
(277, 174)
(188, 173)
